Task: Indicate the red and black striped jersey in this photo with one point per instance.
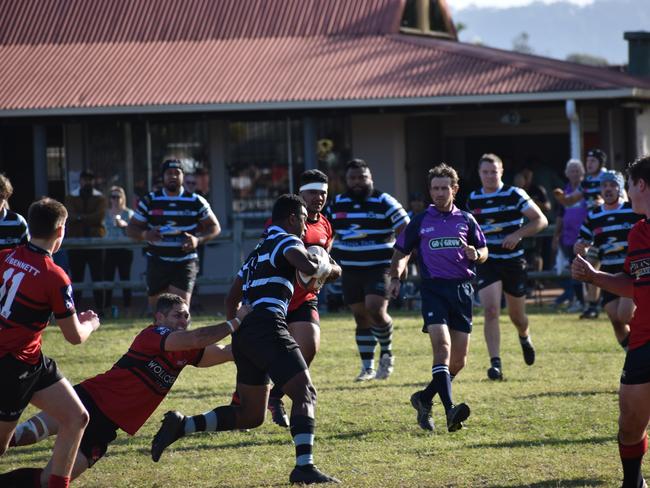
(32, 287)
(637, 264)
(133, 388)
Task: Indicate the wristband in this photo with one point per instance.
(229, 324)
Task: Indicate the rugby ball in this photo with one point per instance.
(313, 282)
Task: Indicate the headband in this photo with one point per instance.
(314, 186)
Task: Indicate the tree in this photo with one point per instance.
(587, 59)
(521, 44)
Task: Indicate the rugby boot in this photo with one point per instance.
(310, 475)
(424, 411)
(386, 367)
(366, 374)
(494, 373)
(529, 353)
(456, 415)
(170, 430)
(278, 413)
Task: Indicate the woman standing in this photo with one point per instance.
(117, 218)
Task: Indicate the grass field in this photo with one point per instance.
(549, 425)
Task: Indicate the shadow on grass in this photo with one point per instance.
(374, 385)
(568, 394)
(542, 442)
(556, 483)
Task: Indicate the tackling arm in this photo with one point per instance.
(184, 340)
(215, 354)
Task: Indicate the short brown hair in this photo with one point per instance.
(490, 158)
(45, 216)
(167, 301)
(443, 170)
(640, 169)
(6, 188)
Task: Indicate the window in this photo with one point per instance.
(265, 160)
(333, 150)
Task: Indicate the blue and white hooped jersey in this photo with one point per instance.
(365, 229)
(175, 214)
(607, 230)
(267, 275)
(499, 214)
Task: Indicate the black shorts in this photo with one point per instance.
(19, 381)
(636, 370)
(100, 431)
(447, 302)
(263, 348)
(511, 272)
(163, 274)
(606, 296)
(357, 283)
(306, 312)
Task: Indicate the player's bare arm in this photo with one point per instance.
(183, 340)
(567, 200)
(620, 284)
(397, 267)
(234, 297)
(209, 228)
(140, 231)
(77, 328)
(536, 222)
(303, 261)
(215, 354)
(581, 247)
(336, 272)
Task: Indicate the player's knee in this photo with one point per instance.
(76, 419)
(492, 312)
(456, 365)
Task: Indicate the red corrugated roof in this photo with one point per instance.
(91, 21)
(135, 65)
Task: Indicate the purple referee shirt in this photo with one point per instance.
(439, 238)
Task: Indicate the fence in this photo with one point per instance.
(235, 236)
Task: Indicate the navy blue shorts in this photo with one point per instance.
(447, 302)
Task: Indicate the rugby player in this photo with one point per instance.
(633, 281)
(174, 223)
(32, 288)
(303, 320)
(365, 222)
(125, 396)
(263, 348)
(500, 211)
(449, 244)
(606, 229)
(13, 227)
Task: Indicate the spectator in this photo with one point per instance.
(120, 259)
(567, 229)
(13, 227)
(86, 209)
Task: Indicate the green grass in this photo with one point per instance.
(549, 425)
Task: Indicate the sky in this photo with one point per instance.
(460, 4)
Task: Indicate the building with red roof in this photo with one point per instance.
(252, 92)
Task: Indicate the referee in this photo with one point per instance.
(449, 244)
(365, 222)
(500, 211)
